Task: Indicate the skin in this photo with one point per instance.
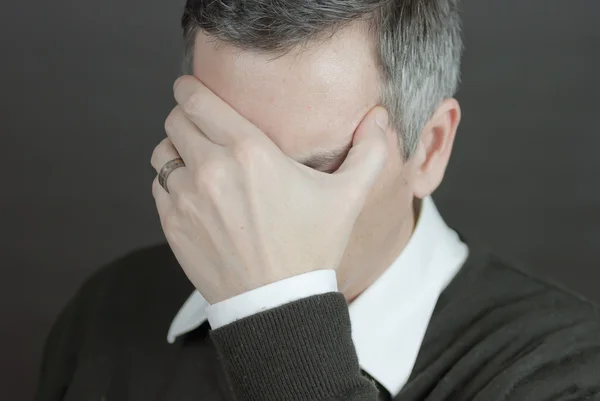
(314, 101)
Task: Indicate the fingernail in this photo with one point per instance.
(382, 119)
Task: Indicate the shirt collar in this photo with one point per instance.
(387, 345)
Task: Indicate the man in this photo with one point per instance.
(306, 259)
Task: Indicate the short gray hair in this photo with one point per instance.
(419, 44)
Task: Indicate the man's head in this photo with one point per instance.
(307, 72)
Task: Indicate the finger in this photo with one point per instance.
(368, 154)
(179, 178)
(188, 140)
(215, 118)
(164, 203)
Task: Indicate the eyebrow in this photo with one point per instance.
(322, 159)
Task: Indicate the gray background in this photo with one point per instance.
(86, 87)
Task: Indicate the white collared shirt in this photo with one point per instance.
(388, 319)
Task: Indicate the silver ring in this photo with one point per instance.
(168, 169)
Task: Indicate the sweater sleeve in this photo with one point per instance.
(271, 296)
(300, 351)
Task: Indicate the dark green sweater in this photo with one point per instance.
(497, 333)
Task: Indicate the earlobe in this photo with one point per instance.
(435, 147)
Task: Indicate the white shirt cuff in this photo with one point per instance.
(271, 296)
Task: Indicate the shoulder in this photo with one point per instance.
(124, 304)
(522, 336)
(548, 339)
(129, 294)
(488, 283)
(532, 303)
(150, 268)
(537, 293)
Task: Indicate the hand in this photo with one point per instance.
(241, 214)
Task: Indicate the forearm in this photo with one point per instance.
(302, 350)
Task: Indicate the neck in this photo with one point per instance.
(372, 250)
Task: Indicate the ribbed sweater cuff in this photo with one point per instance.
(301, 351)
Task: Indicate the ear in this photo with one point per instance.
(434, 149)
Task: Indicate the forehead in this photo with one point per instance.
(306, 101)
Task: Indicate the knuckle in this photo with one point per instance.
(155, 186)
(206, 172)
(155, 158)
(185, 204)
(246, 149)
(158, 151)
(169, 223)
(194, 104)
(173, 119)
(169, 122)
(211, 176)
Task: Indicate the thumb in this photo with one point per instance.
(368, 153)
